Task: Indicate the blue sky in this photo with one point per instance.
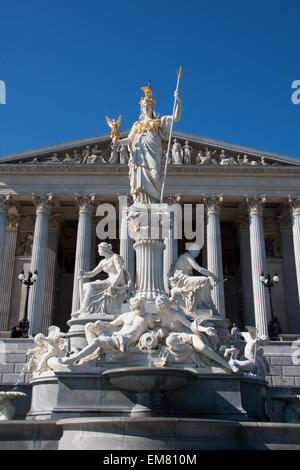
(68, 63)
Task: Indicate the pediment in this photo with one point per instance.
(194, 150)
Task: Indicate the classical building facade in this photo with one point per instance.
(48, 218)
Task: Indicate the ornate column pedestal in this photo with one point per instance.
(145, 227)
(258, 263)
(295, 211)
(38, 261)
(214, 249)
(83, 245)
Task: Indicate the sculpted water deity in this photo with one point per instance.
(145, 146)
(121, 334)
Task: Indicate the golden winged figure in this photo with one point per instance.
(114, 125)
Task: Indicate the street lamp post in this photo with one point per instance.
(31, 279)
(273, 325)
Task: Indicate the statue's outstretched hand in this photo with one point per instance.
(177, 95)
(81, 274)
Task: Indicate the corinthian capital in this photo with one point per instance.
(13, 221)
(213, 203)
(43, 202)
(294, 202)
(85, 202)
(4, 202)
(255, 204)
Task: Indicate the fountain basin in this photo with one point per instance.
(149, 379)
(149, 385)
(7, 407)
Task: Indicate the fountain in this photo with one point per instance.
(148, 370)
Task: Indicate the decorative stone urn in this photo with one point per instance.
(7, 407)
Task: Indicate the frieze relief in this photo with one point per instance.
(182, 152)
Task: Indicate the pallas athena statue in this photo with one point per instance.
(146, 151)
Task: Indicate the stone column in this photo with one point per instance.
(38, 261)
(9, 263)
(83, 245)
(145, 228)
(126, 246)
(290, 276)
(246, 275)
(4, 201)
(258, 263)
(171, 243)
(53, 237)
(295, 211)
(214, 249)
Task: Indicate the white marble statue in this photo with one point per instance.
(48, 349)
(187, 153)
(146, 152)
(124, 157)
(252, 361)
(177, 156)
(192, 293)
(100, 295)
(52, 159)
(86, 154)
(119, 335)
(95, 157)
(224, 160)
(73, 158)
(114, 155)
(207, 159)
(187, 337)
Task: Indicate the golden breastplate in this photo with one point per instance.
(144, 126)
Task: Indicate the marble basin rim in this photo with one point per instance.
(149, 379)
(11, 395)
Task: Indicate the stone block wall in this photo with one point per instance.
(12, 371)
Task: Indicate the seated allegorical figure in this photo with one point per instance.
(99, 296)
(119, 335)
(191, 293)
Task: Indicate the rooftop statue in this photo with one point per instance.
(98, 296)
(146, 152)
